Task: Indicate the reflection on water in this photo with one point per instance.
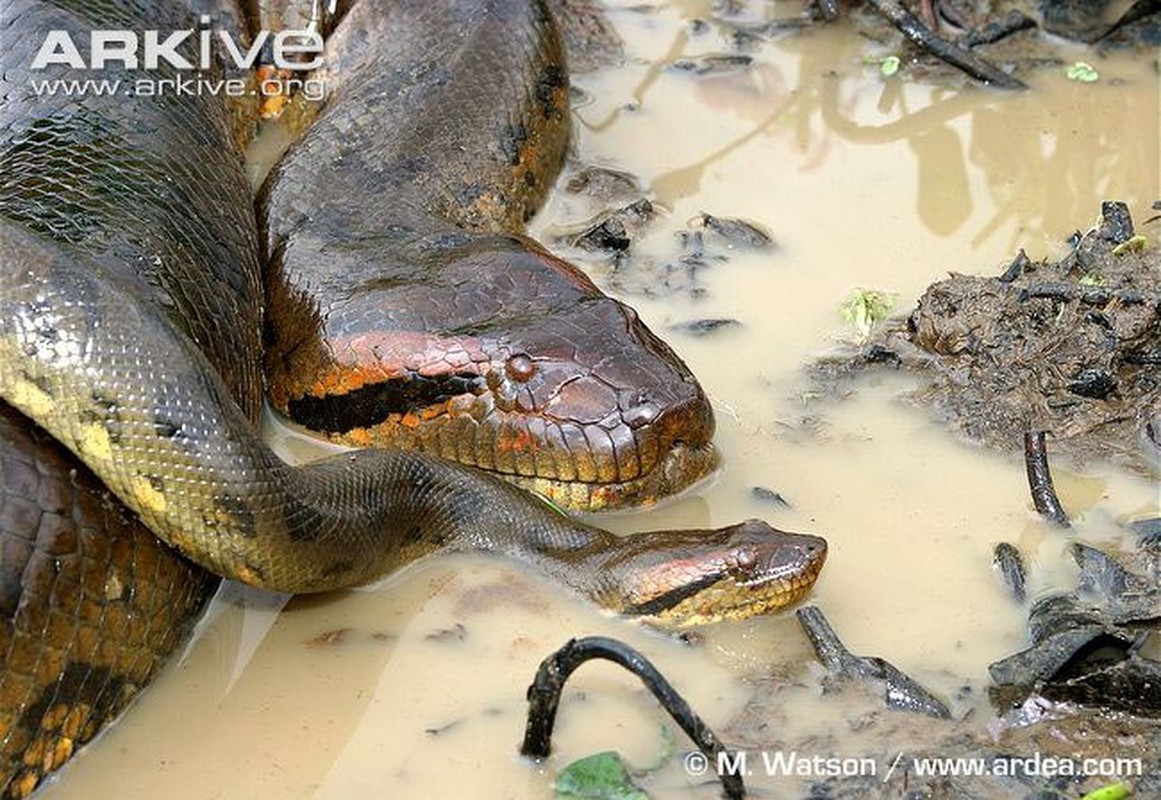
(417, 688)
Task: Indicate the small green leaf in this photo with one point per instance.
(1092, 279)
(1134, 244)
(602, 776)
(867, 308)
(1114, 791)
(889, 66)
(1080, 71)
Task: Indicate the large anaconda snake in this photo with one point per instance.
(131, 331)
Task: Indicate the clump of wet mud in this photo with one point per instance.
(1071, 346)
(1041, 751)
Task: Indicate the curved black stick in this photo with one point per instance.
(1040, 479)
(554, 672)
(911, 27)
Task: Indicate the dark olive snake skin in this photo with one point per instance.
(92, 604)
(131, 331)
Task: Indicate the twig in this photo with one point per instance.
(1040, 479)
(554, 672)
(911, 27)
(1139, 10)
(1020, 263)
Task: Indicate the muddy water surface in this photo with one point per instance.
(417, 688)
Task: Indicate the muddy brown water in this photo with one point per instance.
(416, 687)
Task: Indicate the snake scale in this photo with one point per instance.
(395, 303)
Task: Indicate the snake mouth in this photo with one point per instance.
(573, 467)
(682, 466)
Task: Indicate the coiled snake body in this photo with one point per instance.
(131, 331)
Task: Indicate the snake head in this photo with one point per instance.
(685, 578)
(609, 415)
(497, 355)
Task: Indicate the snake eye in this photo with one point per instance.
(745, 558)
(520, 368)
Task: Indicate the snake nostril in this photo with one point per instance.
(520, 368)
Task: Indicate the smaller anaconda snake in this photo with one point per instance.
(131, 323)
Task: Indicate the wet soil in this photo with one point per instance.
(1071, 346)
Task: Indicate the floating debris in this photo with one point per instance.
(866, 308)
(603, 775)
(714, 64)
(1040, 479)
(900, 690)
(331, 637)
(456, 633)
(768, 496)
(607, 235)
(613, 231)
(704, 327)
(604, 183)
(737, 232)
(1020, 263)
(1010, 564)
(1149, 530)
(1085, 644)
